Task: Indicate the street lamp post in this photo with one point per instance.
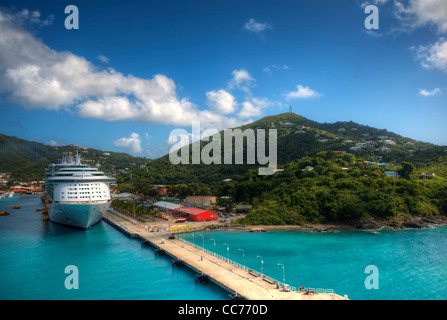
(228, 251)
(243, 256)
(203, 241)
(214, 244)
(283, 274)
(262, 265)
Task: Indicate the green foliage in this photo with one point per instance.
(28, 160)
(407, 170)
(328, 194)
(225, 202)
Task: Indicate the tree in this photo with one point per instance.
(407, 169)
(226, 202)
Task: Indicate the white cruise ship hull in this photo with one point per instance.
(80, 215)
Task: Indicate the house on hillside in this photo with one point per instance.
(392, 174)
(385, 149)
(361, 144)
(430, 175)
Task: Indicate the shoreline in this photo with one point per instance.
(370, 226)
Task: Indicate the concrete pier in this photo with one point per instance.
(232, 277)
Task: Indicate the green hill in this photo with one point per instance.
(28, 160)
(297, 137)
(331, 187)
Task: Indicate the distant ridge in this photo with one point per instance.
(28, 160)
(297, 137)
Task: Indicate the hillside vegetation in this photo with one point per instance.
(339, 188)
(292, 145)
(28, 160)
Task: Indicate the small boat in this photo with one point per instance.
(46, 218)
(4, 213)
(38, 209)
(16, 207)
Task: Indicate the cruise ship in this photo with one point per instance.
(79, 194)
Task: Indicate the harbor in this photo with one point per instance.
(238, 280)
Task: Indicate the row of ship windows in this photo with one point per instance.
(84, 192)
(83, 197)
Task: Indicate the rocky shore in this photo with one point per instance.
(397, 223)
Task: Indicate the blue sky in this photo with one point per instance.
(136, 70)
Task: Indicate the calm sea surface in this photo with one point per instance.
(411, 264)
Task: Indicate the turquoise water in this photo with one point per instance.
(34, 254)
(412, 264)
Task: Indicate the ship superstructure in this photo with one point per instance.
(79, 194)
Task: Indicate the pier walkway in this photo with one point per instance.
(227, 275)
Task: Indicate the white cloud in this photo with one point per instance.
(268, 71)
(430, 12)
(256, 27)
(374, 2)
(433, 56)
(254, 107)
(35, 76)
(416, 13)
(103, 58)
(274, 67)
(31, 18)
(241, 80)
(249, 110)
(427, 93)
(221, 101)
(131, 144)
(52, 143)
(302, 93)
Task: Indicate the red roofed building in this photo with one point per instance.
(195, 214)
